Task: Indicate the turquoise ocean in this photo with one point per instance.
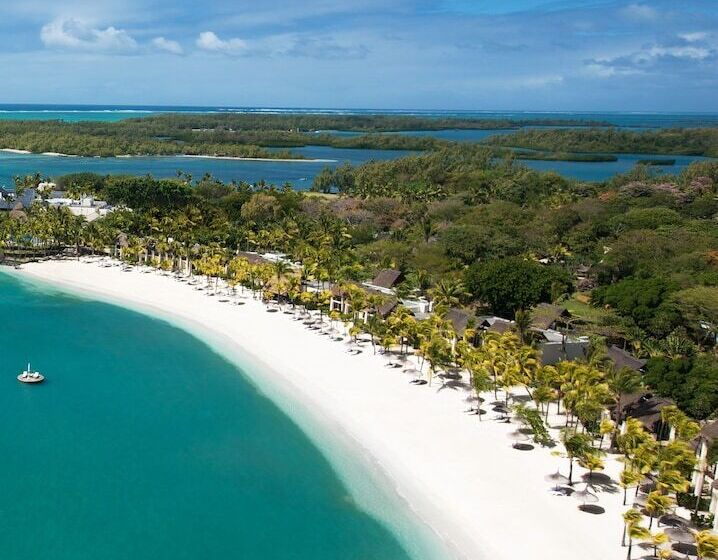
(300, 175)
(146, 443)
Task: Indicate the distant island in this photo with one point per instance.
(679, 141)
(250, 136)
(238, 135)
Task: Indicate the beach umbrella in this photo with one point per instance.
(556, 478)
(517, 436)
(585, 496)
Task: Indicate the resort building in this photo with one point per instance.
(87, 207)
(554, 346)
(9, 200)
(385, 281)
(548, 316)
(646, 408)
(705, 471)
(624, 359)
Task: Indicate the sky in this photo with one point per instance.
(546, 55)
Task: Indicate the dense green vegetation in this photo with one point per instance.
(657, 162)
(564, 156)
(489, 235)
(246, 135)
(243, 135)
(684, 141)
(235, 135)
(353, 123)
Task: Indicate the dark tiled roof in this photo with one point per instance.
(622, 358)
(544, 315)
(387, 278)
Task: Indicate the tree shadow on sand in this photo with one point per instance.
(593, 509)
(601, 481)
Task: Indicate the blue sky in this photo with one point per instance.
(422, 54)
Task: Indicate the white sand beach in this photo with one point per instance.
(461, 476)
(230, 158)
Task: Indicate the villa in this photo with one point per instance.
(385, 281)
(87, 207)
(624, 359)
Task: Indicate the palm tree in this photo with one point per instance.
(591, 461)
(636, 532)
(659, 539)
(630, 517)
(448, 292)
(421, 280)
(706, 545)
(622, 382)
(657, 505)
(522, 324)
(437, 351)
(280, 269)
(606, 427)
(577, 446)
(480, 382)
(628, 478)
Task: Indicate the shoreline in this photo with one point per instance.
(461, 477)
(197, 156)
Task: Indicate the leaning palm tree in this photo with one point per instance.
(630, 517)
(577, 446)
(629, 477)
(657, 504)
(636, 531)
(659, 539)
(706, 545)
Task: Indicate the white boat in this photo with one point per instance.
(29, 376)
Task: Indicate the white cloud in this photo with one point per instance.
(74, 34)
(639, 12)
(167, 45)
(208, 41)
(693, 53)
(694, 37)
(605, 69)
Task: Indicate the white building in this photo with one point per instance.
(87, 207)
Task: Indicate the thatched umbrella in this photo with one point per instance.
(18, 213)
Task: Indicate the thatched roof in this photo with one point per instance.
(459, 319)
(17, 213)
(387, 307)
(623, 359)
(710, 431)
(646, 407)
(253, 258)
(387, 278)
(545, 315)
(494, 324)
